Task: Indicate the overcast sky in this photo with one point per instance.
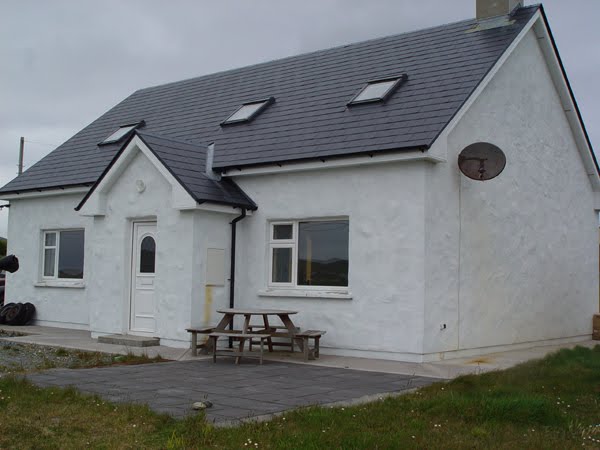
(64, 63)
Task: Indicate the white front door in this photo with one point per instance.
(142, 278)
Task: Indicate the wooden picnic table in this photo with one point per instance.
(258, 332)
(283, 314)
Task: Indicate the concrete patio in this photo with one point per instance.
(237, 392)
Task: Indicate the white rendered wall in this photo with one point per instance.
(385, 206)
(55, 306)
(212, 230)
(527, 239)
(181, 236)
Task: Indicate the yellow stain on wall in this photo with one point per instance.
(208, 299)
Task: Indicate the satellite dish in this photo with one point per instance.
(481, 161)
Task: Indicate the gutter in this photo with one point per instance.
(318, 159)
(45, 191)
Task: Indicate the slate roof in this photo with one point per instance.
(309, 119)
(186, 162)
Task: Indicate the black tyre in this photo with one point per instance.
(29, 313)
(9, 263)
(15, 314)
(1, 295)
(3, 312)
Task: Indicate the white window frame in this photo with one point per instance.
(293, 244)
(56, 247)
(282, 243)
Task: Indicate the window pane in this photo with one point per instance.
(70, 254)
(283, 231)
(245, 112)
(50, 239)
(323, 253)
(117, 135)
(49, 256)
(375, 91)
(282, 265)
(147, 255)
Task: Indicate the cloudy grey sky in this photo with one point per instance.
(64, 63)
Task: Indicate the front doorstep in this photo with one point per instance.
(129, 340)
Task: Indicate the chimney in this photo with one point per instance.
(486, 9)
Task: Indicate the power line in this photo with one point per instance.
(41, 143)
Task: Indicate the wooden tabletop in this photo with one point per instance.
(258, 312)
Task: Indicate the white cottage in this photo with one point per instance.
(338, 172)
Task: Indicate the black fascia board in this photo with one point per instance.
(46, 188)
(252, 206)
(265, 104)
(568, 83)
(400, 80)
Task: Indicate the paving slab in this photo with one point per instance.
(237, 392)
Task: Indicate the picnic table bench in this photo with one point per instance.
(305, 336)
(275, 331)
(195, 332)
(241, 337)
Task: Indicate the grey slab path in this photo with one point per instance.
(236, 391)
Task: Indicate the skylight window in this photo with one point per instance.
(120, 133)
(248, 111)
(378, 90)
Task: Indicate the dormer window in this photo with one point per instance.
(378, 90)
(121, 132)
(248, 111)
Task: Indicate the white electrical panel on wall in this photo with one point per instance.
(215, 267)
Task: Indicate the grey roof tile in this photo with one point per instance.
(309, 118)
(186, 162)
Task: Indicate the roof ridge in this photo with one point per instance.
(323, 50)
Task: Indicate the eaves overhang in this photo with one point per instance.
(46, 191)
(329, 161)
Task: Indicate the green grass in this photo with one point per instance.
(553, 403)
(21, 357)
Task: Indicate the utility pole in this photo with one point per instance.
(21, 149)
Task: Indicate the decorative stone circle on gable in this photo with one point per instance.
(140, 186)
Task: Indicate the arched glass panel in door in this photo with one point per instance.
(147, 255)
